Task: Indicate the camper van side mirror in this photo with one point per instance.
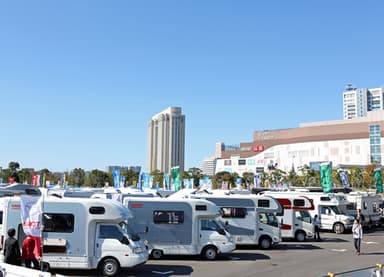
(221, 231)
(146, 230)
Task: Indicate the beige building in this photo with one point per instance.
(345, 143)
(166, 140)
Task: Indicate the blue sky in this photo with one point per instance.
(79, 80)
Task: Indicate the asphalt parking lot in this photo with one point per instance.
(335, 253)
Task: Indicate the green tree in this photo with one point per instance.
(25, 176)
(196, 174)
(77, 177)
(248, 178)
(158, 177)
(131, 177)
(98, 178)
(222, 176)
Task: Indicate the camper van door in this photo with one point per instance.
(110, 241)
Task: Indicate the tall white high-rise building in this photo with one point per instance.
(358, 101)
(166, 140)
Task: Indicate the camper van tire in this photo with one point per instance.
(209, 252)
(265, 242)
(300, 236)
(45, 267)
(157, 254)
(338, 228)
(109, 267)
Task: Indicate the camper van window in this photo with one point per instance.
(201, 207)
(168, 217)
(299, 202)
(111, 232)
(58, 223)
(269, 219)
(303, 216)
(365, 205)
(375, 208)
(97, 210)
(211, 225)
(1, 217)
(233, 212)
(263, 203)
(129, 231)
(325, 198)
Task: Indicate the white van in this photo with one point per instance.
(81, 234)
(330, 207)
(179, 226)
(296, 219)
(249, 218)
(368, 203)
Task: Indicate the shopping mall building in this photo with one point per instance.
(345, 143)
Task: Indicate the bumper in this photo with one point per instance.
(134, 260)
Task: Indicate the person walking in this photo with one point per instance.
(12, 253)
(316, 224)
(357, 231)
(28, 252)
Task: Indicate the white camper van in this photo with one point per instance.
(81, 234)
(249, 218)
(330, 207)
(296, 219)
(368, 203)
(179, 226)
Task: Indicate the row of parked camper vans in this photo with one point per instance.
(114, 230)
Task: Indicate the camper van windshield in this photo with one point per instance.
(128, 231)
(335, 209)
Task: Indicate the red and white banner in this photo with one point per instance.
(31, 214)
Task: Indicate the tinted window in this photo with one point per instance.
(233, 212)
(59, 223)
(168, 217)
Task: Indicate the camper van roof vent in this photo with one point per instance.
(97, 210)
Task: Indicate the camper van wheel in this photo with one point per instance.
(210, 252)
(157, 254)
(109, 267)
(265, 242)
(300, 236)
(45, 267)
(338, 228)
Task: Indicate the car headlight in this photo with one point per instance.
(138, 250)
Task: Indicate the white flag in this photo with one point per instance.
(31, 214)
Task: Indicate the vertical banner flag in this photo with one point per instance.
(145, 180)
(256, 180)
(326, 177)
(139, 183)
(344, 179)
(34, 180)
(191, 183)
(175, 173)
(379, 180)
(166, 181)
(31, 217)
(116, 178)
(224, 185)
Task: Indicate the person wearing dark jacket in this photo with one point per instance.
(12, 253)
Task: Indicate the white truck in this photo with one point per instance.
(296, 221)
(249, 218)
(81, 234)
(330, 207)
(368, 203)
(179, 226)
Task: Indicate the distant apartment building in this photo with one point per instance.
(358, 101)
(345, 143)
(166, 140)
(208, 166)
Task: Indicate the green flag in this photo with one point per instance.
(379, 180)
(175, 173)
(326, 177)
